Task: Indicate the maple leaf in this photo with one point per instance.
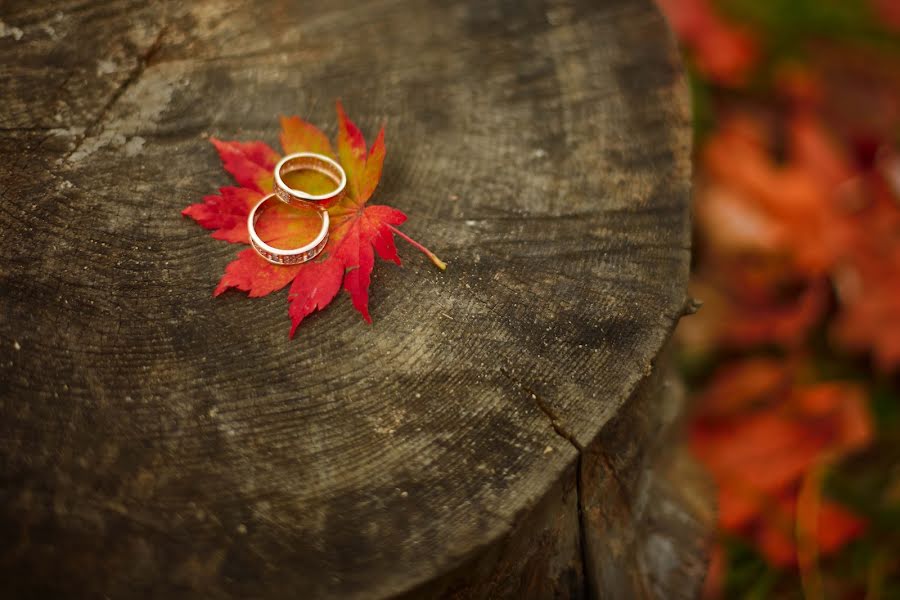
(787, 210)
(819, 219)
(357, 231)
(722, 51)
(888, 11)
(868, 280)
(743, 385)
(226, 214)
(781, 536)
(760, 434)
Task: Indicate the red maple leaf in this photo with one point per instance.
(760, 432)
(723, 51)
(356, 234)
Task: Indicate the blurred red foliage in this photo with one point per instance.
(722, 51)
(778, 237)
(797, 231)
(759, 433)
(888, 11)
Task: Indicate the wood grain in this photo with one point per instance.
(158, 442)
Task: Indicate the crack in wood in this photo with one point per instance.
(623, 489)
(564, 433)
(144, 61)
(554, 420)
(545, 408)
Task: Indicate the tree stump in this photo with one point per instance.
(492, 435)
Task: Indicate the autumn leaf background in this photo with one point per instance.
(357, 233)
(793, 359)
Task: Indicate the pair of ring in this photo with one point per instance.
(301, 161)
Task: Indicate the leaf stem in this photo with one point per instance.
(431, 255)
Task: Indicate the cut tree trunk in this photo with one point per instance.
(495, 433)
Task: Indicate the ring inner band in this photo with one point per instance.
(283, 256)
(311, 163)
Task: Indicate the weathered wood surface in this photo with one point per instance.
(492, 433)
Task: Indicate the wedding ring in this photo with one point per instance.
(294, 256)
(308, 161)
